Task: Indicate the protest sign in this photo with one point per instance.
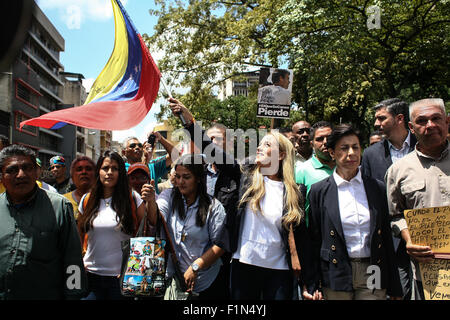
(436, 279)
(430, 227)
(274, 93)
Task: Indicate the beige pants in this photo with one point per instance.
(360, 290)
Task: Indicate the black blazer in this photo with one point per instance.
(377, 158)
(330, 257)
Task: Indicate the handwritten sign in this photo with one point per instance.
(436, 279)
(430, 227)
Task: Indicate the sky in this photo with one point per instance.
(87, 27)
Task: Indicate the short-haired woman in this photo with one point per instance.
(350, 228)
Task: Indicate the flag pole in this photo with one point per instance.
(183, 121)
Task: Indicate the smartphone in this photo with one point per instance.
(151, 140)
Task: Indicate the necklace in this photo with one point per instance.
(108, 202)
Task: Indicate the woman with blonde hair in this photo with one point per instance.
(268, 228)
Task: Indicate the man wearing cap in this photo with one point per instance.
(138, 175)
(58, 169)
(133, 150)
(40, 183)
(82, 172)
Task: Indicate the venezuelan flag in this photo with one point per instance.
(122, 94)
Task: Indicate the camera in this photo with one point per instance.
(151, 140)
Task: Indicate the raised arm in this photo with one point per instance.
(148, 194)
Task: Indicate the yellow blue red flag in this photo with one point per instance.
(122, 94)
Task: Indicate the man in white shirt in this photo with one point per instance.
(277, 93)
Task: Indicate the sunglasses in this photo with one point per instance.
(14, 169)
(133, 145)
(303, 130)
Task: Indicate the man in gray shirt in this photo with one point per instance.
(421, 178)
(40, 250)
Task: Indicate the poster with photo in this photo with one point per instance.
(274, 93)
(146, 267)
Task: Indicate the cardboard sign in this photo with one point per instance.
(430, 227)
(436, 279)
(274, 93)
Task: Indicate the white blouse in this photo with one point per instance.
(260, 242)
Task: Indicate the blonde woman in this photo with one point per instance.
(265, 259)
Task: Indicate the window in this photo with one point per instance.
(18, 118)
(27, 94)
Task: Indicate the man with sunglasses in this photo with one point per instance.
(133, 151)
(301, 130)
(40, 251)
(320, 165)
(63, 184)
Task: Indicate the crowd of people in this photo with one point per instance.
(305, 218)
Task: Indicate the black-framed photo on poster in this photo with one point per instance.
(274, 93)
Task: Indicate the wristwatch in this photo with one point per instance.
(195, 267)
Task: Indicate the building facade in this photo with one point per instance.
(239, 85)
(34, 85)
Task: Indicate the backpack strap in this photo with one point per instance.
(84, 235)
(134, 213)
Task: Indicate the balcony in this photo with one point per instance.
(51, 53)
(51, 94)
(42, 66)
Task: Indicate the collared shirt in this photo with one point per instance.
(45, 186)
(157, 168)
(355, 215)
(39, 249)
(191, 241)
(71, 197)
(417, 181)
(211, 179)
(260, 241)
(310, 172)
(299, 160)
(397, 154)
(64, 187)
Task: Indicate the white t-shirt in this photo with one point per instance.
(261, 243)
(104, 250)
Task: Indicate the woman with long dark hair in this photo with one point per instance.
(195, 222)
(109, 214)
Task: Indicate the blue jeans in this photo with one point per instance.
(103, 288)
(256, 283)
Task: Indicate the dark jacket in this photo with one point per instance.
(377, 158)
(301, 236)
(375, 162)
(331, 262)
(228, 181)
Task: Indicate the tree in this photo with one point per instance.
(342, 67)
(234, 112)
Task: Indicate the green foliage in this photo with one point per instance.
(233, 112)
(341, 68)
